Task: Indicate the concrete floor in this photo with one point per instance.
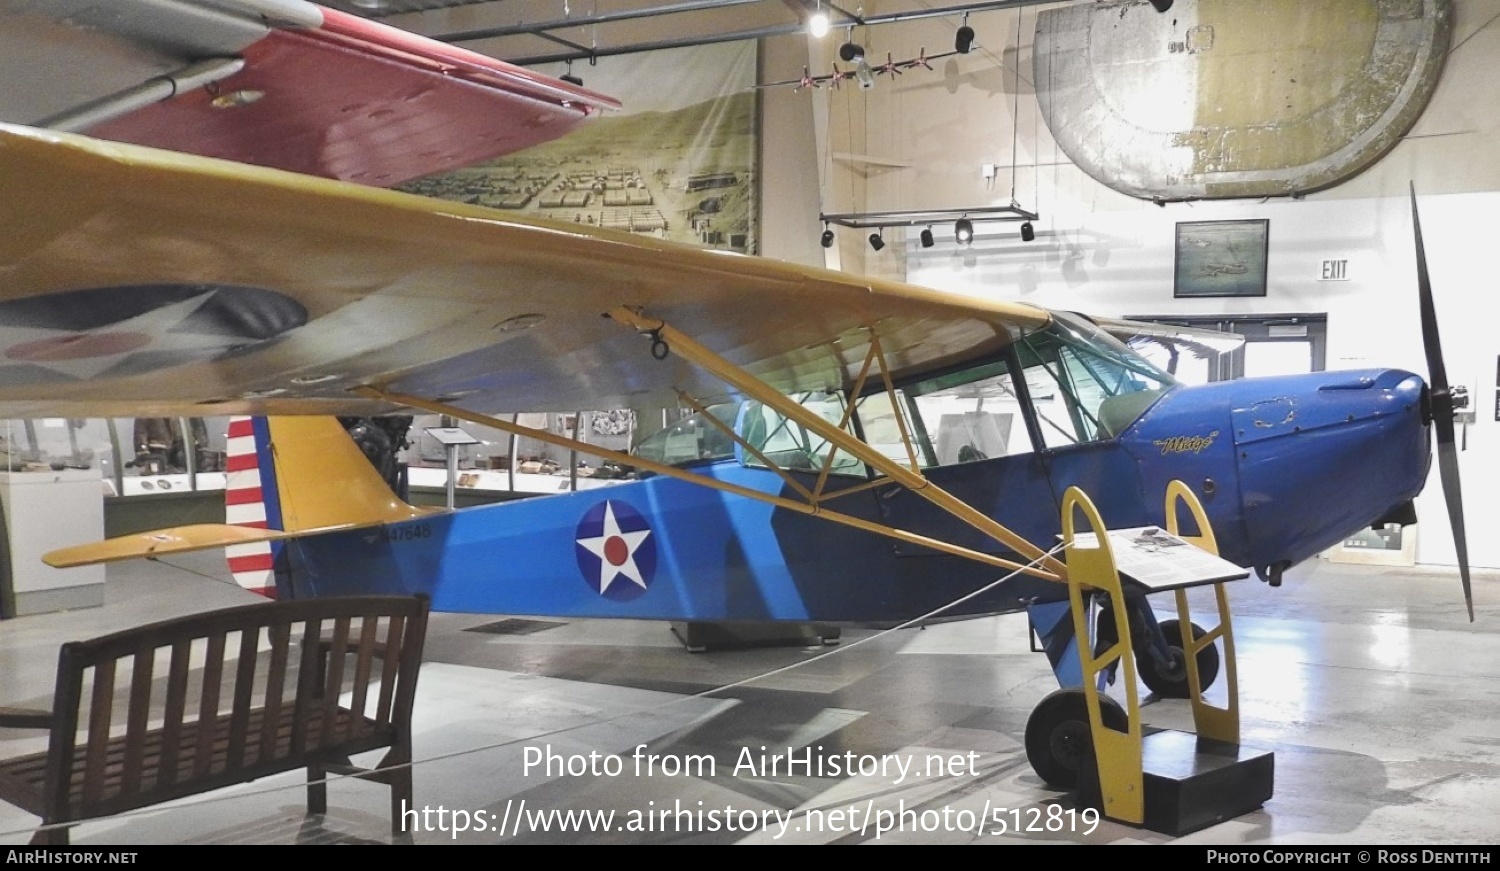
(1376, 695)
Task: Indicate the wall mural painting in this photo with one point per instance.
(678, 163)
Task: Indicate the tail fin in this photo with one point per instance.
(288, 477)
(322, 480)
(298, 474)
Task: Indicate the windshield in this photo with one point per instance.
(1085, 384)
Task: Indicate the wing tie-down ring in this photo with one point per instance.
(659, 347)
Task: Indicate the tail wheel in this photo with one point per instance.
(1171, 680)
(1058, 741)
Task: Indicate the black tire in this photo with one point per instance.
(1172, 682)
(1057, 734)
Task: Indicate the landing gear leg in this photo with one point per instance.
(1271, 574)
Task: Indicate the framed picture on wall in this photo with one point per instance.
(1221, 258)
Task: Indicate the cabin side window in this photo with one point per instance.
(973, 414)
(693, 439)
(790, 445)
(1082, 386)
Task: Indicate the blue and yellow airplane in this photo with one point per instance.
(860, 449)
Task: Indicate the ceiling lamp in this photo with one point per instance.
(817, 23)
(926, 238)
(1027, 232)
(963, 231)
(877, 241)
(827, 240)
(963, 40)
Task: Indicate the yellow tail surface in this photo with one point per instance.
(324, 481)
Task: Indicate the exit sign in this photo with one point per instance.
(1334, 270)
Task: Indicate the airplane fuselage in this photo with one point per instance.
(1286, 467)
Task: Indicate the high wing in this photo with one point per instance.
(280, 83)
(142, 282)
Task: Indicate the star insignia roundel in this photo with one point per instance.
(616, 550)
(123, 331)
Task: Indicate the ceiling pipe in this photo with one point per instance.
(700, 5)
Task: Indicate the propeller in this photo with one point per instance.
(1440, 400)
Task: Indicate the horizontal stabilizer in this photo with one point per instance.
(159, 542)
(182, 539)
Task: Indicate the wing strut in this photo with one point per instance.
(756, 389)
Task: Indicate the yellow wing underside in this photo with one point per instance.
(418, 296)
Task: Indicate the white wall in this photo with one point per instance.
(1099, 251)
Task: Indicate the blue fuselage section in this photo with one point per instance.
(1286, 467)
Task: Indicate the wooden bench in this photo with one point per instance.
(245, 692)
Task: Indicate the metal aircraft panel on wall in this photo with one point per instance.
(1217, 99)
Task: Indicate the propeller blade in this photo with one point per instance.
(1441, 401)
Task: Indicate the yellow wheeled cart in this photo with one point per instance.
(1165, 780)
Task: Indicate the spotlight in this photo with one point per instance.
(1027, 232)
(817, 25)
(572, 79)
(926, 238)
(851, 52)
(963, 231)
(877, 241)
(963, 40)
(827, 240)
(1161, 5)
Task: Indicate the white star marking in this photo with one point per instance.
(616, 551)
(155, 324)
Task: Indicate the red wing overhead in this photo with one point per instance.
(140, 282)
(278, 83)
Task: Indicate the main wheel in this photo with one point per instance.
(1171, 682)
(1057, 734)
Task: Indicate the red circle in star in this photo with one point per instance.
(616, 550)
(78, 346)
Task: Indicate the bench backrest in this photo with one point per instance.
(171, 708)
